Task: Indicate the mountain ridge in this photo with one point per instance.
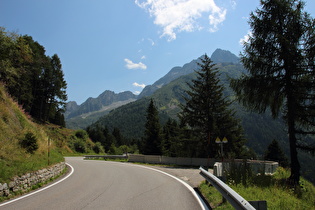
(80, 116)
(76, 114)
(218, 56)
(94, 104)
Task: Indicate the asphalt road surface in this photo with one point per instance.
(110, 185)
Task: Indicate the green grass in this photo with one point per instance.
(14, 125)
(272, 189)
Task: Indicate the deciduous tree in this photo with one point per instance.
(279, 56)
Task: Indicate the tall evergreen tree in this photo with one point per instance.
(279, 56)
(119, 138)
(207, 114)
(33, 79)
(275, 153)
(152, 133)
(15, 58)
(36, 68)
(56, 89)
(170, 142)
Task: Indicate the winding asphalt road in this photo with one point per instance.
(111, 185)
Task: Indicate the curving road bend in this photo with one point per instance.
(111, 185)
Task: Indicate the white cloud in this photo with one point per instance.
(143, 57)
(181, 15)
(245, 38)
(138, 85)
(215, 19)
(136, 92)
(132, 65)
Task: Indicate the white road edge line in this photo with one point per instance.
(41, 189)
(200, 201)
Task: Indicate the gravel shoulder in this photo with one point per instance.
(189, 175)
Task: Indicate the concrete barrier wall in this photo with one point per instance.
(152, 159)
(171, 160)
(168, 160)
(269, 167)
(136, 158)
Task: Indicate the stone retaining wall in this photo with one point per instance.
(25, 182)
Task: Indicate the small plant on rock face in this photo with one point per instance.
(29, 142)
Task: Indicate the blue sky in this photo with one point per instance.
(124, 45)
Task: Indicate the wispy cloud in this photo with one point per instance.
(181, 15)
(233, 4)
(143, 57)
(132, 65)
(245, 38)
(151, 41)
(138, 85)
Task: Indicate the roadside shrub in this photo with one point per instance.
(80, 146)
(81, 134)
(98, 148)
(112, 149)
(29, 142)
(239, 173)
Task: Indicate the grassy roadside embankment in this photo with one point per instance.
(23, 143)
(272, 189)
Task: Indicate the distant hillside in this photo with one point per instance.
(173, 74)
(131, 117)
(80, 116)
(260, 129)
(218, 56)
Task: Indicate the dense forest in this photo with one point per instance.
(33, 79)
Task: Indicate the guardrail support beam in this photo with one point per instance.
(237, 201)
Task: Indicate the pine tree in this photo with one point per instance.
(207, 113)
(118, 137)
(275, 153)
(280, 59)
(152, 133)
(170, 142)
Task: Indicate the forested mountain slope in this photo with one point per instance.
(81, 116)
(260, 129)
(130, 118)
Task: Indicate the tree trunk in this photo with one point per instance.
(295, 165)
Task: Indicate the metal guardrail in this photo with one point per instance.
(106, 156)
(237, 201)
